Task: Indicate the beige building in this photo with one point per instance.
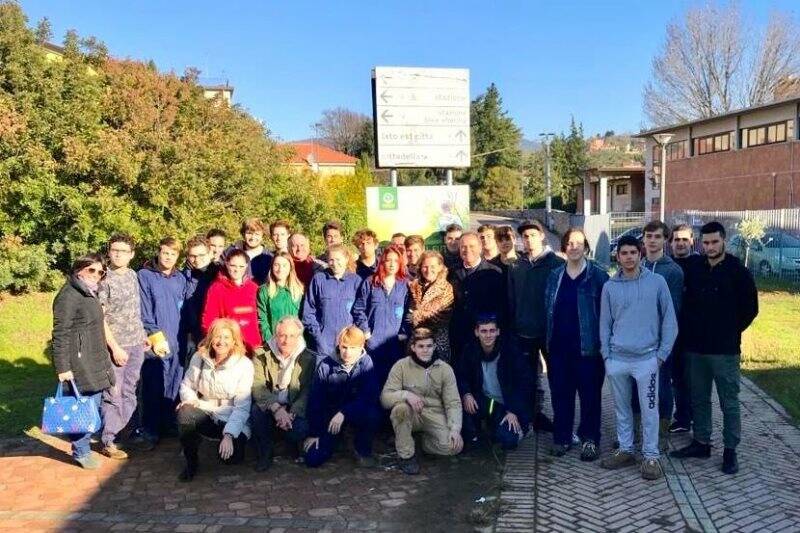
(225, 92)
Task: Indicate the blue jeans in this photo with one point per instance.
(81, 441)
(119, 401)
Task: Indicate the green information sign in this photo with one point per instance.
(417, 210)
(387, 198)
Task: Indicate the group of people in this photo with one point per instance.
(250, 342)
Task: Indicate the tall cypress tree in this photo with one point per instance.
(492, 130)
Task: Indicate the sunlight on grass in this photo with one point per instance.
(770, 353)
(28, 375)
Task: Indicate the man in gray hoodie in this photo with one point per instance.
(637, 330)
(656, 234)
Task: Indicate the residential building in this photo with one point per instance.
(223, 91)
(611, 190)
(320, 159)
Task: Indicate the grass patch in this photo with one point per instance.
(27, 372)
(771, 346)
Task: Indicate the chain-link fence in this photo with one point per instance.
(776, 255)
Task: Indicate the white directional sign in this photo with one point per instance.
(421, 117)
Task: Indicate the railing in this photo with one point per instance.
(776, 255)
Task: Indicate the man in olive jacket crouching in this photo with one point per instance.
(283, 375)
(422, 394)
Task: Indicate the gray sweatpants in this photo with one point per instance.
(645, 372)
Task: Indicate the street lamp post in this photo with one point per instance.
(548, 201)
(663, 139)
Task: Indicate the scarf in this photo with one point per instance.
(90, 287)
(424, 364)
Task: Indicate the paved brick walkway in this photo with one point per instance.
(543, 494)
(40, 490)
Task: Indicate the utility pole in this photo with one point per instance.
(548, 205)
(663, 140)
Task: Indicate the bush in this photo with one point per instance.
(25, 267)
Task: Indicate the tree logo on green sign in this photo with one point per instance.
(387, 198)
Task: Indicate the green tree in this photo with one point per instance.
(91, 145)
(495, 140)
(569, 160)
(502, 189)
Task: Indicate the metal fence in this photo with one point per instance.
(630, 222)
(602, 231)
(776, 255)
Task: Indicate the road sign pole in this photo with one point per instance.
(393, 177)
(449, 174)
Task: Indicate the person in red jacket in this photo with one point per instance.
(233, 295)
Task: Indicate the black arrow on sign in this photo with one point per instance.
(461, 155)
(385, 97)
(460, 135)
(386, 115)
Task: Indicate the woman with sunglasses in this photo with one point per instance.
(80, 353)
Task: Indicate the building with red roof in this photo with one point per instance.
(320, 159)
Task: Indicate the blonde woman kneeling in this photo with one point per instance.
(216, 396)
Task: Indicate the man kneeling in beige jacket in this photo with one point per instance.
(422, 394)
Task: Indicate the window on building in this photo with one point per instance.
(622, 189)
(768, 134)
(721, 142)
(677, 150)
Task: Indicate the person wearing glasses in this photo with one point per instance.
(119, 296)
(80, 354)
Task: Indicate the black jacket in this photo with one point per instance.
(719, 304)
(481, 292)
(513, 372)
(527, 282)
(79, 341)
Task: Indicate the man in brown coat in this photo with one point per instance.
(422, 394)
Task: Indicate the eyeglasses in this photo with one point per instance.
(118, 251)
(98, 271)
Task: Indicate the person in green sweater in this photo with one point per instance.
(280, 296)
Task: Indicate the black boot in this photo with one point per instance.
(264, 461)
(409, 466)
(191, 445)
(694, 449)
(730, 464)
(191, 468)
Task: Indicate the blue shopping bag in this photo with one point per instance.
(64, 415)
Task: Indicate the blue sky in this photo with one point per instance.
(289, 60)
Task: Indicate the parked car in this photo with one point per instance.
(612, 246)
(777, 253)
